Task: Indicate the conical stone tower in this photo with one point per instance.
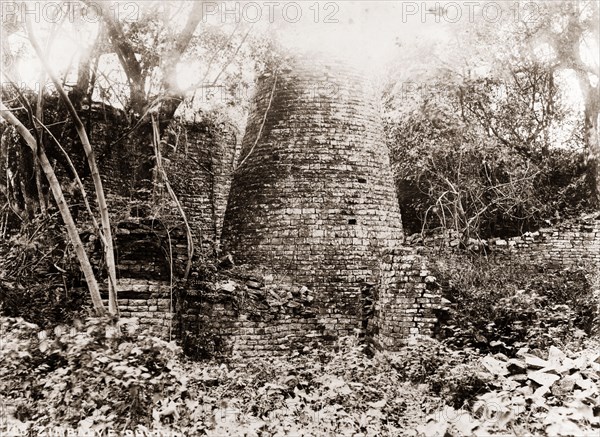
(313, 195)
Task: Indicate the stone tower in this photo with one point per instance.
(313, 195)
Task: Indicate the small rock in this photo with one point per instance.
(519, 377)
(516, 366)
(500, 356)
(543, 378)
(494, 366)
(563, 387)
(228, 286)
(536, 363)
(226, 262)
(254, 284)
(501, 243)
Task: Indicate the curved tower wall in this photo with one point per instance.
(313, 195)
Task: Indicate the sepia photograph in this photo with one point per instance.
(299, 218)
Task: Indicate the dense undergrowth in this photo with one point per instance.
(514, 355)
(498, 307)
(102, 375)
(39, 274)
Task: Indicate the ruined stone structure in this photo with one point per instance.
(572, 243)
(313, 194)
(199, 159)
(312, 200)
(404, 300)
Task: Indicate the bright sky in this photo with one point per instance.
(364, 32)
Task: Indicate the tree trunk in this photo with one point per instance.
(591, 135)
(65, 213)
(91, 159)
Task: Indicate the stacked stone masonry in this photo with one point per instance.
(313, 196)
(406, 302)
(574, 243)
(151, 302)
(277, 318)
(199, 160)
(312, 199)
(571, 244)
(147, 249)
(249, 318)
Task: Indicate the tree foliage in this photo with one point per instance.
(482, 138)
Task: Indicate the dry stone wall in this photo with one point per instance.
(147, 249)
(198, 158)
(249, 318)
(199, 161)
(312, 199)
(256, 316)
(406, 302)
(313, 196)
(151, 302)
(572, 243)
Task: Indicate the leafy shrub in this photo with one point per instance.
(39, 275)
(99, 374)
(551, 392)
(88, 380)
(204, 345)
(416, 362)
(496, 307)
(453, 374)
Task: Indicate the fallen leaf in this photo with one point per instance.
(494, 366)
(537, 363)
(543, 378)
(433, 428)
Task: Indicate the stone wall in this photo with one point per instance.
(151, 302)
(572, 243)
(146, 249)
(254, 316)
(199, 160)
(313, 196)
(406, 301)
(248, 318)
(107, 129)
